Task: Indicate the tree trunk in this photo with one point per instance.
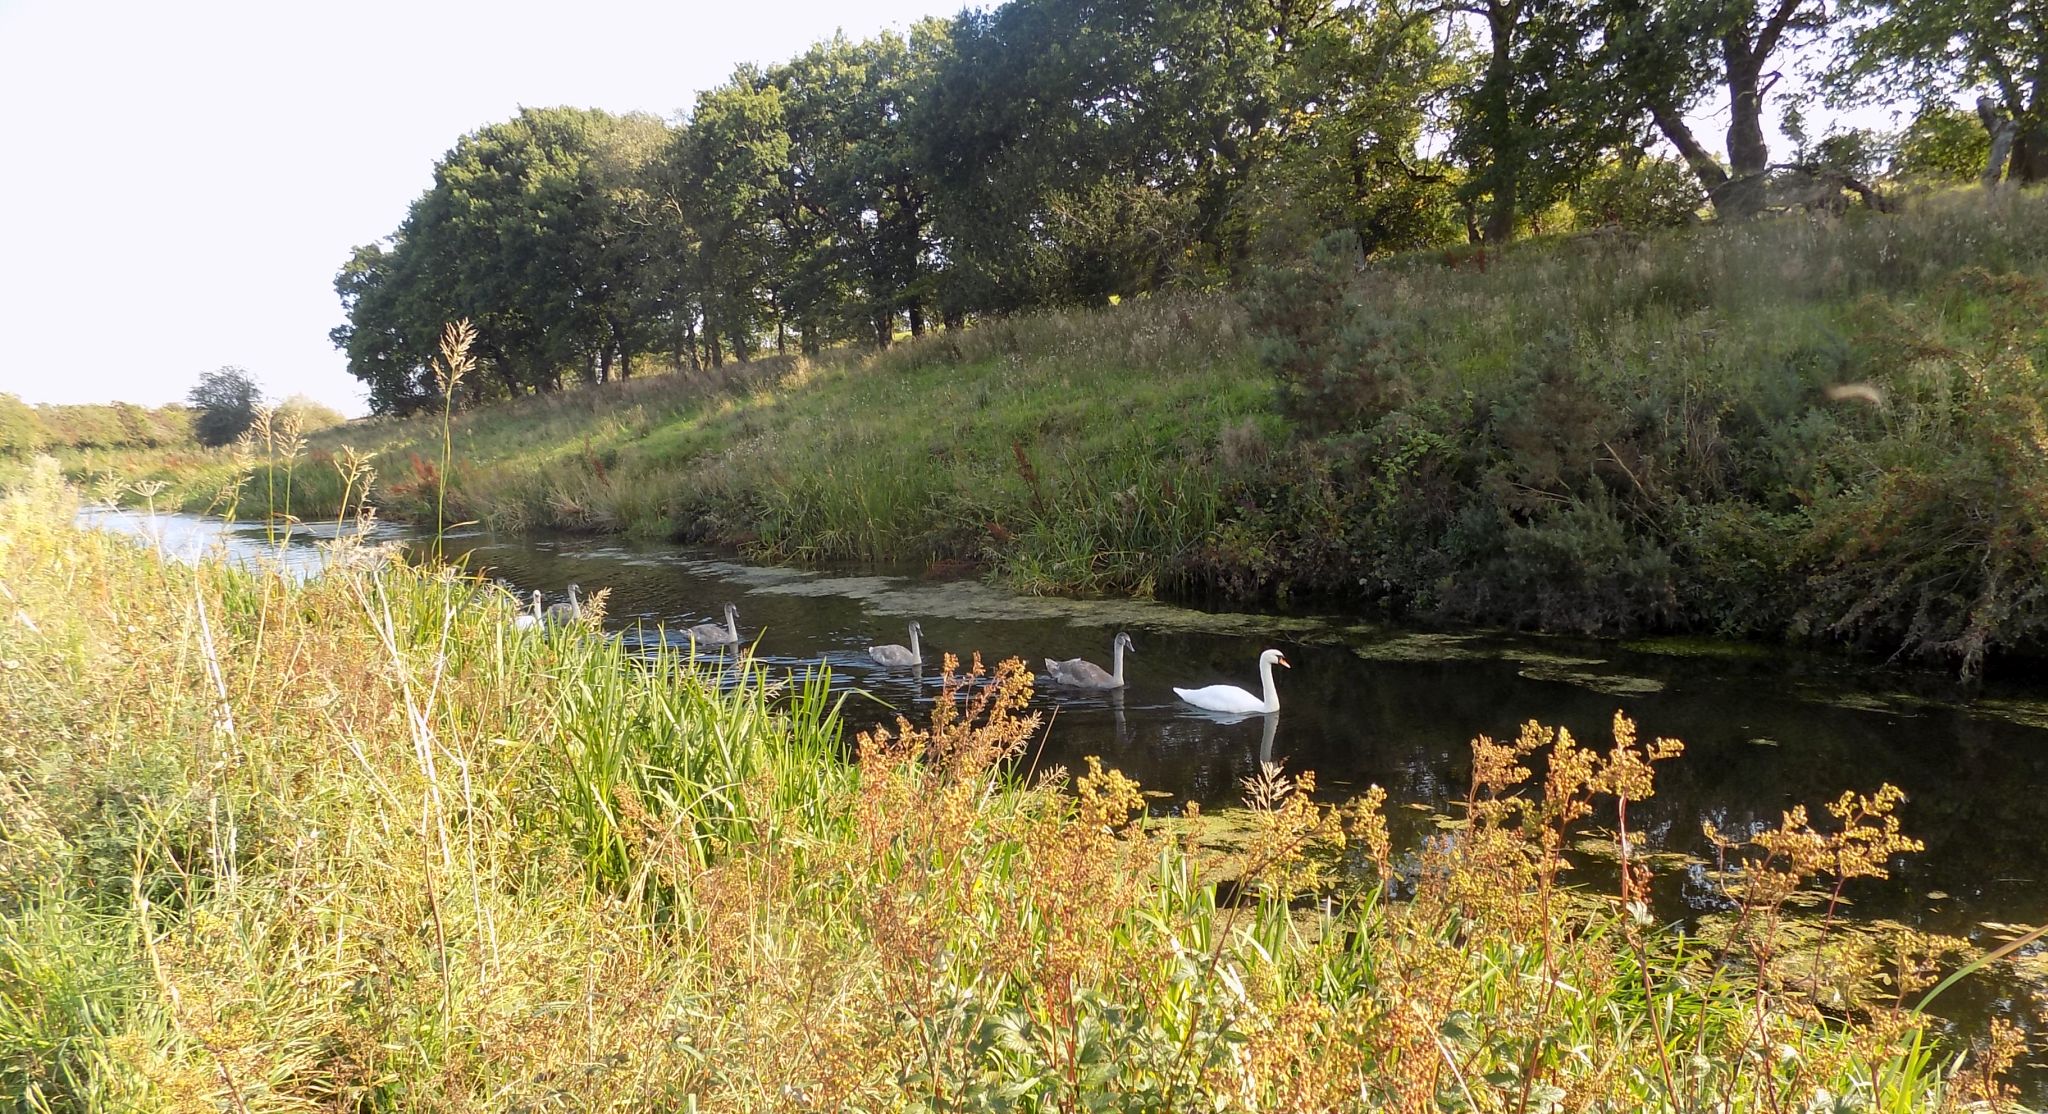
(1749, 157)
(686, 347)
(711, 350)
(1502, 178)
(604, 362)
(2029, 163)
(916, 320)
(1712, 176)
(885, 328)
(2002, 130)
(1500, 209)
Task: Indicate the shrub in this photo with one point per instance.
(1940, 551)
(1943, 143)
(1336, 360)
(309, 415)
(21, 435)
(394, 854)
(224, 404)
(1639, 193)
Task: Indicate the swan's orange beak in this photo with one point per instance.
(1282, 660)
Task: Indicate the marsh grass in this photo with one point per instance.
(355, 843)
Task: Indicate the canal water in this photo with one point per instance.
(1369, 704)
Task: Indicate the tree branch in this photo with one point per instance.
(1774, 28)
(1695, 153)
(2008, 86)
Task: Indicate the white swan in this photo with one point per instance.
(571, 612)
(893, 654)
(1084, 674)
(1230, 698)
(711, 634)
(529, 620)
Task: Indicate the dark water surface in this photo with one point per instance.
(1369, 704)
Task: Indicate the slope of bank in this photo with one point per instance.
(1812, 428)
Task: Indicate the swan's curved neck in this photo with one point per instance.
(575, 601)
(916, 651)
(732, 624)
(536, 603)
(1117, 667)
(1272, 701)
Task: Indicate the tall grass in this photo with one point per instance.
(356, 843)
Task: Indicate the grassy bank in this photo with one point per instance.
(355, 844)
(1815, 429)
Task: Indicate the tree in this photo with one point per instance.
(1945, 50)
(534, 229)
(224, 405)
(1359, 91)
(386, 341)
(851, 207)
(1668, 52)
(1047, 144)
(731, 159)
(1539, 113)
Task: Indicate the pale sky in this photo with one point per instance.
(182, 180)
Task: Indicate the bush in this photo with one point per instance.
(309, 414)
(1639, 193)
(225, 403)
(537, 871)
(1335, 360)
(1943, 144)
(1939, 552)
(21, 435)
(114, 425)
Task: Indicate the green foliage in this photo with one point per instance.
(1939, 551)
(224, 405)
(1617, 435)
(533, 229)
(1666, 55)
(1536, 114)
(1939, 50)
(113, 425)
(1611, 432)
(1337, 362)
(21, 435)
(308, 415)
(1639, 193)
(1942, 144)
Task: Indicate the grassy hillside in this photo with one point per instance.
(353, 843)
(1811, 428)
